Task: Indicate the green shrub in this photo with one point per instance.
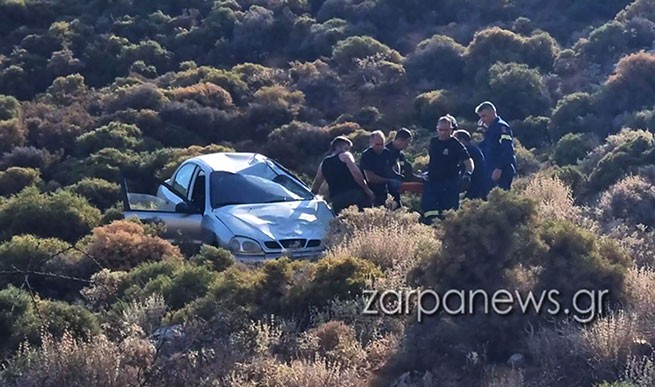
(518, 88)
(22, 318)
(184, 285)
(114, 135)
(46, 255)
(29, 157)
(526, 160)
(621, 154)
(576, 259)
(346, 51)
(429, 106)
(573, 177)
(632, 200)
(335, 277)
(481, 238)
(572, 114)
(61, 214)
(101, 193)
(631, 85)
(14, 179)
(571, 148)
(12, 133)
(438, 60)
(216, 258)
(532, 132)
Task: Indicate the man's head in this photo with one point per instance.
(402, 139)
(463, 136)
(487, 112)
(340, 144)
(453, 121)
(444, 128)
(377, 141)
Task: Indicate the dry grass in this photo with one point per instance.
(639, 371)
(637, 241)
(554, 198)
(143, 317)
(71, 362)
(631, 200)
(640, 289)
(579, 355)
(609, 342)
(393, 240)
(503, 376)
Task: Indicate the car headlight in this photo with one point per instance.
(243, 245)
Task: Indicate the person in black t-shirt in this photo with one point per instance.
(346, 184)
(476, 190)
(399, 166)
(441, 190)
(375, 163)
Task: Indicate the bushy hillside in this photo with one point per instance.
(88, 89)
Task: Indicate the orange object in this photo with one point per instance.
(413, 187)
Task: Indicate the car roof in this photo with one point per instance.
(230, 161)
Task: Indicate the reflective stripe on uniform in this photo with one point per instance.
(505, 137)
(431, 213)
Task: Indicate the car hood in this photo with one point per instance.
(301, 219)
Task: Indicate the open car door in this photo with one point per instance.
(144, 200)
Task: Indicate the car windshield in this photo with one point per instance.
(253, 186)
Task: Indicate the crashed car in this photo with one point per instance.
(244, 202)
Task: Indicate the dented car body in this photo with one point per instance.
(244, 202)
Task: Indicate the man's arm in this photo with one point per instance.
(506, 148)
(348, 158)
(367, 163)
(470, 165)
(318, 180)
(374, 178)
(465, 158)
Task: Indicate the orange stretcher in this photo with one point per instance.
(411, 187)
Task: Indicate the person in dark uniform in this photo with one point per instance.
(375, 163)
(497, 147)
(476, 189)
(346, 184)
(399, 166)
(441, 190)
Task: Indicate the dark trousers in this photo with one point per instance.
(394, 190)
(353, 197)
(505, 181)
(477, 189)
(439, 196)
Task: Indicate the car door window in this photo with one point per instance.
(198, 192)
(183, 179)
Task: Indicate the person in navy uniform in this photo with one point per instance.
(398, 163)
(476, 189)
(497, 147)
(442, 187)
(375, 163)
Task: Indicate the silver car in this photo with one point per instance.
(244, 202)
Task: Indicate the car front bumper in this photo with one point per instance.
(291, 254)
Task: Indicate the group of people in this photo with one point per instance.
(456, 165)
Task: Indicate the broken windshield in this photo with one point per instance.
(244, 188)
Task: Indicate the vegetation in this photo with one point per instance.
(92, 89)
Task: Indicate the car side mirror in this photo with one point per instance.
(184, 208)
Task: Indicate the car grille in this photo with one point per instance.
(289, 243)
(314, 243)
(296, 243)
(273, 245)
